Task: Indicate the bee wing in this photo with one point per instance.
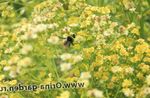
(67, 43)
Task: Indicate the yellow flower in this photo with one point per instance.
(148, 80)
(116, 69)
(136, 58)
(87, 51)
(2, 77)
(128, 4)
(14, 95)
(124, 52)
(128, 70)
(144, 67)
(140, 76)
(141, 48)
(73, 21)
(99, 60)
(104, 10)
(128, 92)
(12, 82)
(126, 83)
(3, 62)
(135, 31)
(146, 59)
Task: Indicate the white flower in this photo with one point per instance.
(7, 68)
(53, 40)
(65, 66)
(12, 74)
(26, 48)
(96, 93)
(77, 58)
(65, 56)
(146, 90)
(85, 75)
(128, 92)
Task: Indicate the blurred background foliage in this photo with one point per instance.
(12, 11)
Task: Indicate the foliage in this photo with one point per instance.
(111, 51)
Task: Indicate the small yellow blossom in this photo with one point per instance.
(104, 10)
(85, 75)
(144, 67)
(126, 83)
(13, 82)
(73, 21)
(142, 48)
(140, 76)
(148, 79)
(116, 69)
(2, 77)
(136, 58)
(65, 66)
(135, 31)
(128, 92)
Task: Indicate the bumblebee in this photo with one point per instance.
(69, 40)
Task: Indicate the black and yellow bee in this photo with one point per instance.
(69, 40)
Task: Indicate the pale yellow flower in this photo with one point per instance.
(129, 70)
(95, 93)
(77, 58)
(12, 82)
(26, 49)
(116, 69)
(128, 92)
(65, 66)
(141, 48)
(135, 31)
(124, 52)
(85, 75)
(73, 21)
(4, 96)
(25, 62)
(126, 83)
(148, 79)
(2, 77)
(136, 58)
(66, 56)
(14, 59)
(144, 67)
(53, 40)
